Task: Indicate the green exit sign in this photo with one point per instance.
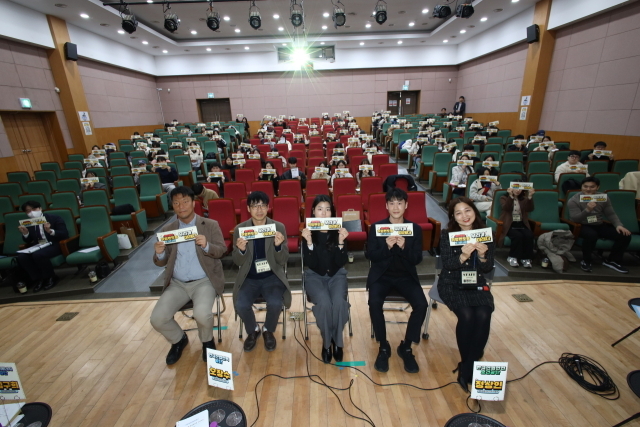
(210, 95)
(25, 103)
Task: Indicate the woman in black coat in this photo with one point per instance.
(471, 302)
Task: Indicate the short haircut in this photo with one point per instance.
(396, 194)
(197, 188)
(574, 153)
(443, 109)
(30, 203)
(214, 165)
(604, 144)
(184, 191)
(518, 137)
(257, 197)
(293, 161)
(591, 179)
(461, 97)
(469, 147)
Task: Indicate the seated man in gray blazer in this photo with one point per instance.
(193, 273)
(262, 263)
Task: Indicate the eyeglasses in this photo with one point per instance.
(260, 207)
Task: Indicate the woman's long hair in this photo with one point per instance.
(453, 224)
(332, 235)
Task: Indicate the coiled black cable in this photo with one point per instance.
(589, 375)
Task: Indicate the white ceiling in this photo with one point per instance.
(105, 21)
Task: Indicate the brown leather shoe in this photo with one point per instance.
(269, 341)
(251, 341)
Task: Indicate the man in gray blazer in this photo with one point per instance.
(262, 263)
(193, 272)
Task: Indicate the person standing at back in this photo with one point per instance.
(459, 107)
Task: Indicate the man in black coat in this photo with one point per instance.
(393, 268)
(459, 107)
(289, 174)
(37, 264)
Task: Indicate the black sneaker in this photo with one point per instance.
(410, 364)
(382, 361)
(176, 350)
(585, 266)
(615, 266)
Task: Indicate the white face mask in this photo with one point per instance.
(35, 214)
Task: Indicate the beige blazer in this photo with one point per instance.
(277, 260)
(209, 261)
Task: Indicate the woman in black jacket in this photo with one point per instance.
(325, 279)
(472, 301)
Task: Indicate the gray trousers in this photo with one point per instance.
(176, 295)
(330, 307)
(271, 290)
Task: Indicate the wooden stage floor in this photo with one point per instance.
(106, 366)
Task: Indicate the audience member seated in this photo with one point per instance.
(340, 174)
(261, 271)
(393, 268)
(90, 185)
(195, 154)
(600, 145)
(228, 165)
(294, 172)
(168, 177)
(516, 205)
(322, 175)
(471, 301)
(572, 160)
(459, 176)
(592, 216)
(482, 192)
(193, 273)
(364, 173)
(203, 194)
(325, 279)
(215, 167)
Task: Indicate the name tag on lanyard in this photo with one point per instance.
(469, 277)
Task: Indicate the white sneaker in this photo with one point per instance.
(513, 262)
(526, 263)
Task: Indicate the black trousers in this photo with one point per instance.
(38, 265)
(411, 291)
(472, 334)
(590, 235)
(521, 243)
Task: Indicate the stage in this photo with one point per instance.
(105, 367)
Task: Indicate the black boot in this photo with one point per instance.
(176, 350)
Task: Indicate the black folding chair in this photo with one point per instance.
(189, 306)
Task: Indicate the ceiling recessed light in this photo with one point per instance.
(187, 50)
(120, 31)
(425, 10)
(445, 41)
(133, 37)
(227, 48)
(361, 43)
(208, 49)
(237, 30)
(156, 47)
(411, 24)
(149, 1)
(399, 41)
(155, 22)
(402, 12)
(84, 15)
(380, 42)
(498, 10)
(145, 42)
(246, 48)
(104, 25)
(280, 28)
(321, 42)
(324, 27)
(391, 25)
(483, 19)
(463, 31)
(284, 44)
(276, 16)
(226, 18)
(368, 25)
(515, 1)
(194, 32)
(165, 51)
(61, 5)
(326, 14)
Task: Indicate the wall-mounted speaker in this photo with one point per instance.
(533, 34)
(71, 51)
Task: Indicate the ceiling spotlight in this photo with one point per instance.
(171, 20)
(297, 13)
(361, 43)
(326, 14)
(464, 10)
(145, 42)
(120, 31)
(165, 51)
(321, 42)
(380, 12)
(254, 16)
(515, 1)
(411, 24)
(445, 41)
(276, 16)
(425, 10)
(208, 49)
(368, 25)
(280, 28)
(324, 27)
(339, 17)
(194, 32)
(237, 30)
(226, 18)
(441, 11)
(284, 44)
(483, 19)
(463, 31)
(84, 15)
(213, 18)
(399, 41)
(129, 22)
(246, 48)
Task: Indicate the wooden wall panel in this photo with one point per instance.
(507, 120)
(104, 135)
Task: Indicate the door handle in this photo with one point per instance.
(28, 151)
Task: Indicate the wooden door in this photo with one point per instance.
(214, 110)
(393, 103)
(409, 101)
(31, 139)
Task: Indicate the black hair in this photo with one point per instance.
(30, 203)
(591, 179)
(214, 164)
(256, 197)
(574, 153)
(197, 188)
(453, 224)
(184, 191)
(443, 108)
(462, 97)
(469, 147)
(396, 194)
(332, 235)
(518, 137)
(481, 170)
(91, 172)
(292, 161)
(604, 144)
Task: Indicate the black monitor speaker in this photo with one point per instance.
(533, 34)
(71, 51)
